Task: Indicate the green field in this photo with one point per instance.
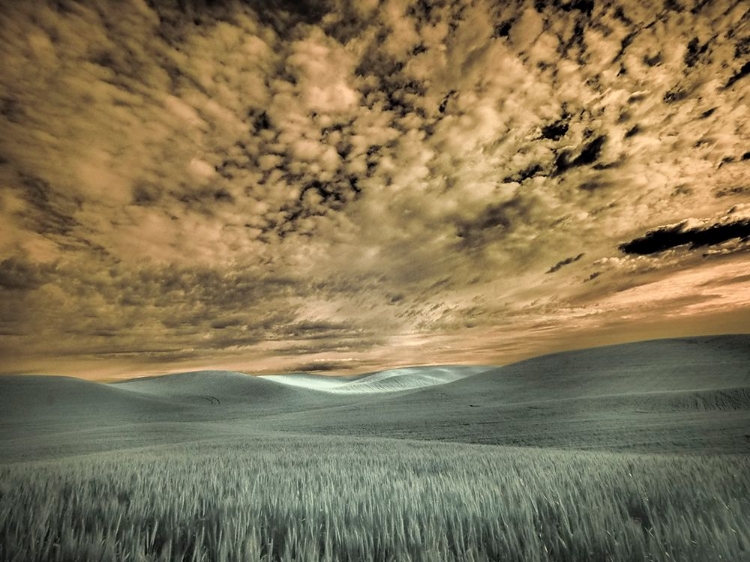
(626, 456)
(294, 498)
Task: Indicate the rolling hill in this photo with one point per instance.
(667, 395)
(682, 394)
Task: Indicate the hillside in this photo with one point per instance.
(686, 395)
(682, 394)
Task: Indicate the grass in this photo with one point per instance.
(318, 498)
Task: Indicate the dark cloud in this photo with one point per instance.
(665, 238)
(695, 51)
(562, 263)
(281, 15)
(593, 276)
(494, 222)
(527, 173)
(555, 131)
(19, 275)
(321, 367)
(361, 344)
(732, 191)
(588, 155)
(741, 73)
(145, 194)
(634, 130)
(224, 323)
(50, 213)
(322, 330)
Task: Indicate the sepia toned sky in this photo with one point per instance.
(343, 186)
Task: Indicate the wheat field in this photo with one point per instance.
(301, 498)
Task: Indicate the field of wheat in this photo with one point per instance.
(315, 498)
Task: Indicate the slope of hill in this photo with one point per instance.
(211, 387)
(51, 417)
(685, 394)
(649, 366)
(50, 399)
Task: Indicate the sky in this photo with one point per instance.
(339, 187)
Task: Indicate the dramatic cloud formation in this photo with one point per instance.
(671, 236)
(354, 185)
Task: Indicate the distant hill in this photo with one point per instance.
(212, 387)
(55, 399)
(686, 394)
(392, 380)
(680, 394)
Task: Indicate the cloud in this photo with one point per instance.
(321, 366)
(238, 181)
(20, 275)
(563, 263)
(668, 237)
